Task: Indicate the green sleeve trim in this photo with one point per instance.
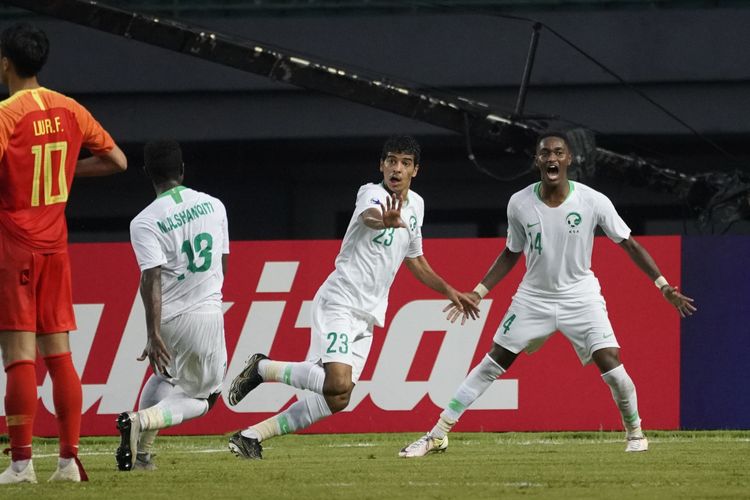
(174, 193)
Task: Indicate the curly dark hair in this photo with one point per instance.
(27, 47)
(403, 144)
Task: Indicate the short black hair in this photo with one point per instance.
(402, 144)
(553, 133)
(27, 47)
(163, 160)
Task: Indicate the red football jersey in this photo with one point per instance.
(41, 135)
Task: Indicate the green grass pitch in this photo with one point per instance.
(701, 465)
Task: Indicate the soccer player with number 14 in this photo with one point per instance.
(552, 222)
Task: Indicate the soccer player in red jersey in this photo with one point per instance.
(41, 134)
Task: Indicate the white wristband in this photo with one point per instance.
(661, 282)
(481, 290)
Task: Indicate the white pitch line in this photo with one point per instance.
(549, 442)
(206, 450)
(99, 453)
(349, 445)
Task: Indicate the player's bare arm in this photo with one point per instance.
(387, 216)
(461, 302)
(504, 263)
(155, 350)
(112, 162)
(646, 263)
(224, 263)
(499, 269)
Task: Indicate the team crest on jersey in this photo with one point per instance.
(374, 201)
(412, 223)
(573, 220)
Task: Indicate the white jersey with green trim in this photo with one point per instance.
(370, 258)
(186, 233)
(558, 241)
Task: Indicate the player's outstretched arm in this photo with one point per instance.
(461, 302)
(504, 263)
(646, 263)
(109, 163)
(499, 269)
(155, 350)
(387, 216)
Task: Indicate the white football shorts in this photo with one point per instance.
(529, 322)
(195, 341)
(340, 335)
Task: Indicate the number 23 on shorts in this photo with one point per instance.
(337, 342)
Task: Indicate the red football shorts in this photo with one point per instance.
(35, 290)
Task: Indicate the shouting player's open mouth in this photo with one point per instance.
(553, 172)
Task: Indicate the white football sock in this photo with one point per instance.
(442, 427)
(623, 392)
(300, 415)
(173, 410)
(146, 441)
(302, 375)
(473, 386)
(157, 388)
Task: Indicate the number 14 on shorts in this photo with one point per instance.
(508, 321)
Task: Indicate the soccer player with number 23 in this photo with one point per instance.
(385, 230)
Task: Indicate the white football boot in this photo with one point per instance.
(636, 441)
(424, 445)
(72, 472)
(25, 476)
